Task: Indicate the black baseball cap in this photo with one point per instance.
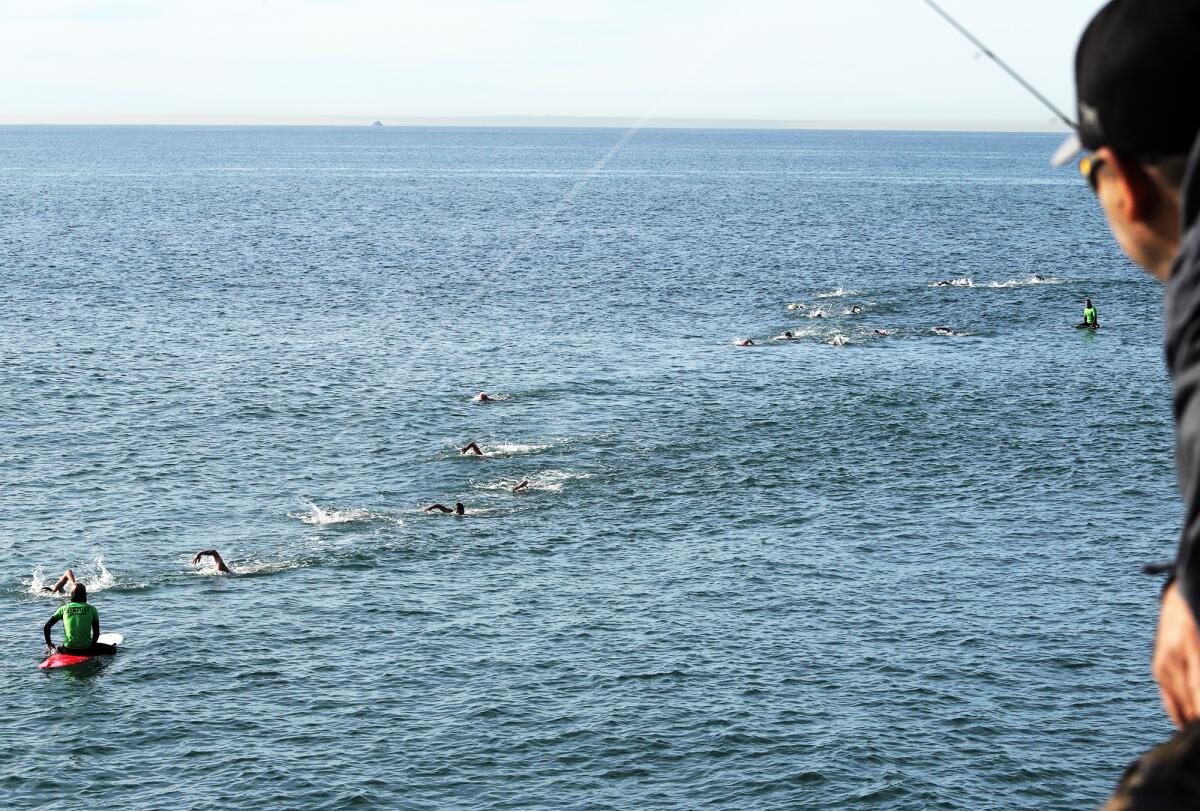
(1137, 80)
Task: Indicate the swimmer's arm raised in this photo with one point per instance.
(215, 555)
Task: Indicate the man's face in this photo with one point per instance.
(1112, 199)
(1141, 212)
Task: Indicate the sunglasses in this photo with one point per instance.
(1088, 166)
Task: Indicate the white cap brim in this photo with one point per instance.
(1067, 151)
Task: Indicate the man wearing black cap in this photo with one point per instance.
(1135, 74)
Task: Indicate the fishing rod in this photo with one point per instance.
(1004, 65)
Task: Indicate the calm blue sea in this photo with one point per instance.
(900, 573)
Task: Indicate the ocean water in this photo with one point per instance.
(899, 573)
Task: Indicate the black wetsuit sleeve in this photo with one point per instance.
(1183, 360)
(46, 629)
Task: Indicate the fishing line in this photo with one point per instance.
(1003, 65)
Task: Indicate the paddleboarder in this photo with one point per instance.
(81, 627)
(1089, 315)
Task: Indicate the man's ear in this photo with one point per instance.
(1132, 191)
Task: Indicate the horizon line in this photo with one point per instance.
(558, 121)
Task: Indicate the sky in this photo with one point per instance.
(869, 63)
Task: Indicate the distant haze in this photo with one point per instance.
(848, 63)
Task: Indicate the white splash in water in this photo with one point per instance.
(255, 566)
(318, 516)
(507, 485)
(562, 475)
(551, 480)
(799, 333)
(94, 576)
(502, 449)
(514, 448)
(1034, 279)
(838, 293)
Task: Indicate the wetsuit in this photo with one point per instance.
(81, 627)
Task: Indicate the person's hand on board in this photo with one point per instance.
(1176, 663)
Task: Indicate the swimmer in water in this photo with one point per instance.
(68, 578)
(839, 340)
(744, 342)
(1038, 278)
(458, 509)
(472, 449)
(797, 306)
(946, 331)
(215, 555)
(881, 332)
(855, 310)
(787, 336)
(484, 397)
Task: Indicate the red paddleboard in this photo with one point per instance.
(70, 660)
(63, 660)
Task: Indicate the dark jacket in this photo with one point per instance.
(1183, 361)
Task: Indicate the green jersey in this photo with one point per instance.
(77, 619)
(1089, 315)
